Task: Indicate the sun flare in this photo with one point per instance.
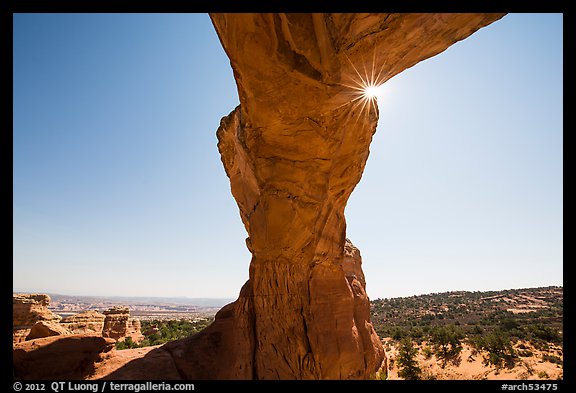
(372, 92)
(364, 87)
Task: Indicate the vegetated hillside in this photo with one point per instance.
(509, 334)
(532, 313)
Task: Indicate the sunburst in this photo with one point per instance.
(365, 88)
(371, 92)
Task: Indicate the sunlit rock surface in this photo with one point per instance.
(90, 321)
(27, 310)
(294, 149)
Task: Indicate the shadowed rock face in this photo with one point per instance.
(59, 357)
(294, 149)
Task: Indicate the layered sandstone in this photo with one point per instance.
(134, 330)
(27, 310)
(118, 324)
(294, 149)
(32, 320)
(90, 321)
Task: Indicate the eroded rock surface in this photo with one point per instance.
(134, 330)
(44, 348)
(118, 324)
(46, 329)
(59, 357)
(294, 149)
(27, 310)
(90, 321)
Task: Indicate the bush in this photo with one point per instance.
(416, 333)
(398, 334)
(447, 344)
(427, 352)
(500, 350)
(428, 375)
(509, 324)
(545, 333)
(552, 359)
(525, 353)
(381, 375)
(128, 343)
(477, 330)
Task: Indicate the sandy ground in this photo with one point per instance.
(472, 367)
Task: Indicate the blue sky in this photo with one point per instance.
(119, 188)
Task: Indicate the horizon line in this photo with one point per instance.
(14, 291)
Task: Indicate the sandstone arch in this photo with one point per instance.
(294, 149)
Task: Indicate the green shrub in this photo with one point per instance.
(127, 343)
(398, 334)
(427, 352)
(552, 359)
(447, 344)
(500, 350)
(525, 353)
(158, 332)
(509, 324)
(545, 333)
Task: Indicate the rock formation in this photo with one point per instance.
(294, 149)
(27, 310)
(352, 267)
(46, 329)
(32, 319)
(118, 324)
(59, 357)
(76, 348)
(90, 321)
(134, 330)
